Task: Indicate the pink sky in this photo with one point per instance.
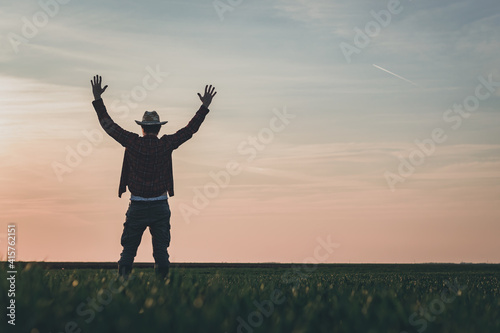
(319, 173)
(274, 210)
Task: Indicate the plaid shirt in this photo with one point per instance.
(147, 164)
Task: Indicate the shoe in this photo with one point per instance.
(161, 271)
(124, 270)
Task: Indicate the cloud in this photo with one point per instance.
(327, 167)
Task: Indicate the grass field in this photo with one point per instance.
(273, 298)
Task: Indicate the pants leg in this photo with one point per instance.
(159, 228)
(133, 228)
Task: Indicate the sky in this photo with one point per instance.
(368, 126)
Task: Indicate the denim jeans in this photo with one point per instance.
(140, 215)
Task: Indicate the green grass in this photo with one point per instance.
(335, 298)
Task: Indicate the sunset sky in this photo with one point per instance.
(393, 168)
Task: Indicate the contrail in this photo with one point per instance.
(396, 75)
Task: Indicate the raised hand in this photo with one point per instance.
(206, 99)
(96, 87)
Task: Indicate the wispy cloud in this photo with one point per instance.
(352, 121)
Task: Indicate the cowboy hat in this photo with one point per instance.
(151, 118)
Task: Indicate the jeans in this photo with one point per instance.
(140, 215)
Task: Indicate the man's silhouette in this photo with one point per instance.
(147, 171)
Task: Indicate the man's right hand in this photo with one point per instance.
(96, 87)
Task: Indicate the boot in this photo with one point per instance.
(161, 271)
(124, 270)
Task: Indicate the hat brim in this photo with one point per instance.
(147, 123)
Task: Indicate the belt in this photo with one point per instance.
(142, 202)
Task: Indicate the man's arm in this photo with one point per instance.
(192, 127)
(114, 130)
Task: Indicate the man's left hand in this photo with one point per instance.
(209, 94)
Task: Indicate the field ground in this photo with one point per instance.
(88, 297)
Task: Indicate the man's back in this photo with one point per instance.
(147, 171)
(147, 164)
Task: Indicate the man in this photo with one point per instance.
(147, 171)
